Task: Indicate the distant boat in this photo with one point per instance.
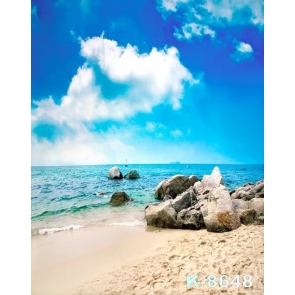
(126, 163)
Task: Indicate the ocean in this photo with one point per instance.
(74, 197)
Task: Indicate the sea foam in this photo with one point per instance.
(46, 231)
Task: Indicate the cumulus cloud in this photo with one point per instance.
(150, 79)
(243, 51)
(176, 133)
(201, 18)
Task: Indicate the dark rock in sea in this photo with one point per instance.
(172, 186)
(132, 174)
(119, 197)
(115, 173)
(161, 215)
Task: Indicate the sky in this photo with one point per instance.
(150, 81)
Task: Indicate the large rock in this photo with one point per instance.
(161, 215)
(119, 197)
(193, 179)
(115, 173)
(240, 204)
(249, 191)
(247, 216)
(191, 218)
(132, 174)
(172, 186)
(184, 200)
(219, 214)
(213, 180)
(257, 204)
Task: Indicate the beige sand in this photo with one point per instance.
(157, 263)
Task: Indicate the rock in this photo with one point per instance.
(190, 219)
(161, 215)
(198, 188)
(193, 179)
(219, 214)
(167, 197)
(249, 191)
(258, 205)
(184, 200)
(172, 186)
(115, 173)
(119, 197)
(247, 216)
(213, 180)
(132, 174)
(240, 204)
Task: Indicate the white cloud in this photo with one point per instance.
(201, 18)
(176, 133)
(189, 30)
(152, 79)
(151, 126)
(243, 51)
(171, 5)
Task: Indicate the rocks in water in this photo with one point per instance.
(119, 197)
(213, 180)
(115, 173)
(219, 214)
(172, 186)
(161, 215)
(132, 174)
(249, 191)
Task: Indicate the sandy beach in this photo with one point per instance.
(140, 260)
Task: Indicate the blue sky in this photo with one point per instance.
(145, 80)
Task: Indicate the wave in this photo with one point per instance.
(72, 209)
(53, 230)
(132, 223)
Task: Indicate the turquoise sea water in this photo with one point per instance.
(72, 197)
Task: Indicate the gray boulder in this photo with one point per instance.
(161, 215)
(193, 179)
(132, 174)
(240, 204)
(219, 214)
(213, 180)
(247, 216)
(172, 186)
(184, 200)
(119, 197)
(257, 204)
(249, 191)
(115, 173)
(191, 218)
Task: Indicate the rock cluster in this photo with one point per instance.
(189, 203)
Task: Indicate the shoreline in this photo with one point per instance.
(142, 259)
